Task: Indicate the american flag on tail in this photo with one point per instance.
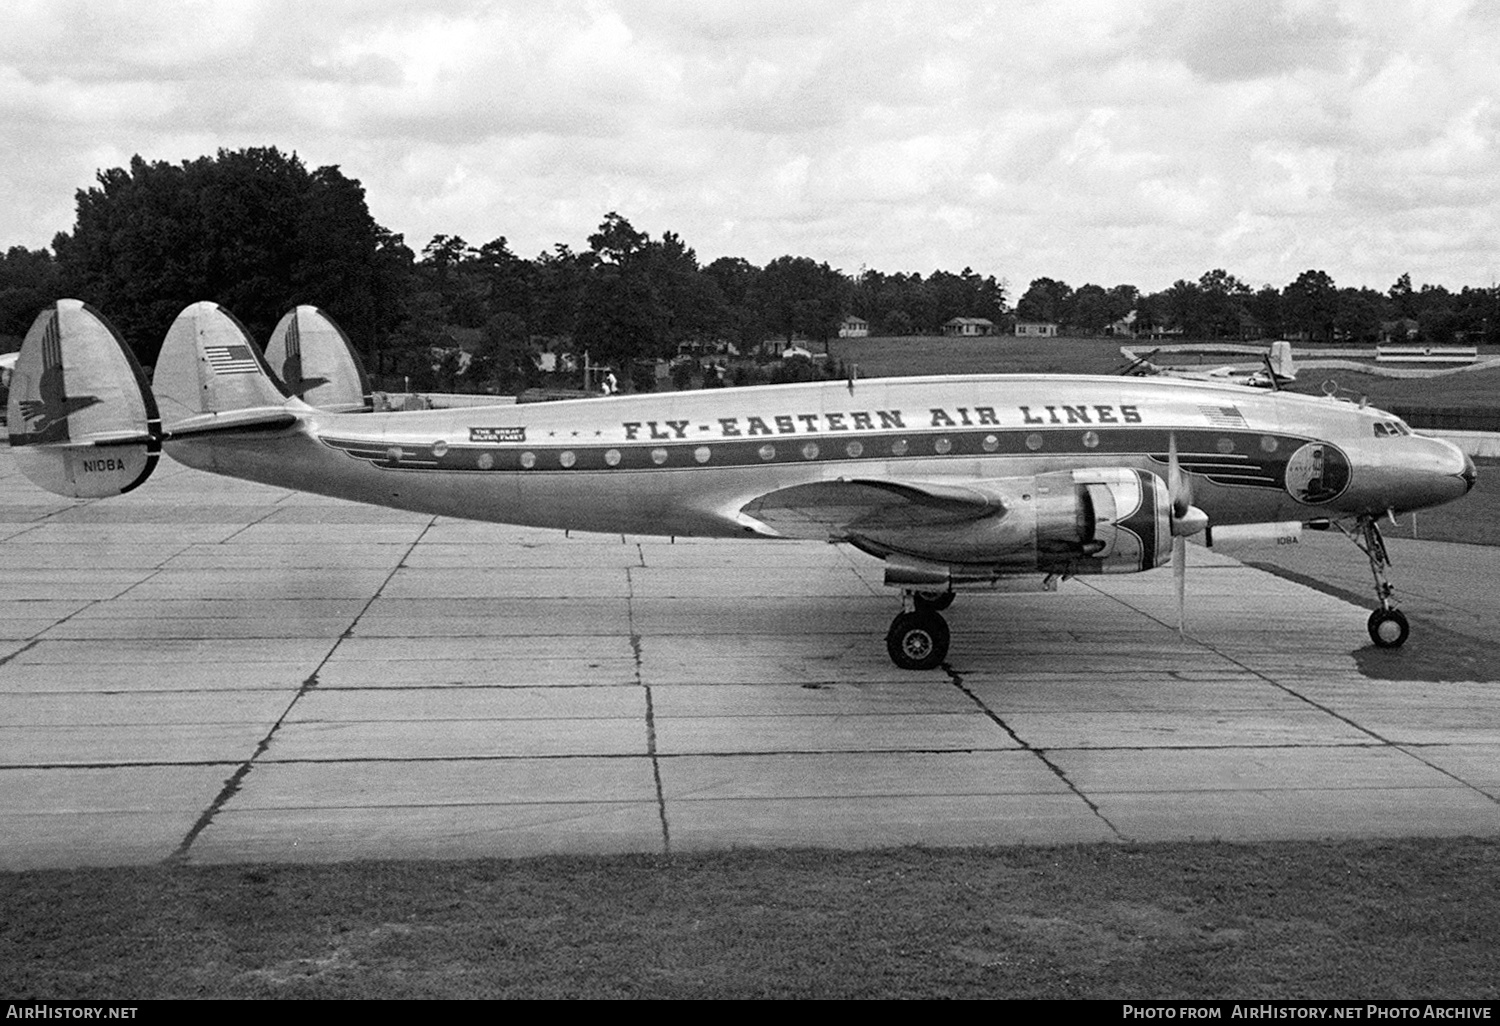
(231, 359)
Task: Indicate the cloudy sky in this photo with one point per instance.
(1112, 141)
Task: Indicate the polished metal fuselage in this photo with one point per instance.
(686, 463)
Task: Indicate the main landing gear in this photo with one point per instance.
(1388, 626)
(918, 639)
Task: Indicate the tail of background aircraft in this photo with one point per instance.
(1279, 362)
(317, 362)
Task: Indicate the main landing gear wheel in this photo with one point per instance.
(918, 640)
(933, 601)
(1388, 628)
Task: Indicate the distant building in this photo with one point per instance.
(1252, 327)
(854, 327)
(1036, 329)
(1405, 329)
(1125, 326)
(968, 326)
(795, 350)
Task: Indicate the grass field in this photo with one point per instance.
(896, 356)
(1407, 919)
(885, 357)
(1476, 389)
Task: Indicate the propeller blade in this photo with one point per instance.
(1179, 573)
(1178, 487)
(1186, 519)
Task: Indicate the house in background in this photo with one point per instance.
(1122, 328)
(968, 327)
(854, 327)
(1036, 329)
(1402, 330)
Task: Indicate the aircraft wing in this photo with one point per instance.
(1089, 520)
(834, 509)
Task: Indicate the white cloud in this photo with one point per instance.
(1138, 140)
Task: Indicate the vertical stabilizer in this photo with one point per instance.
(81, 417)
(209, 364)
(1280, 359)
(317, 362)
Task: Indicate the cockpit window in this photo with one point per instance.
(1390, 428)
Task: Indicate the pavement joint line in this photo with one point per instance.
(1407, 750)
(245, 527)
(143, 764)
(1041, 754)
(564, 802)
(91, 603)
(855, 567)
(749, 753)
(746, 753)
(635, 649)
(30, 644)
(232, 784)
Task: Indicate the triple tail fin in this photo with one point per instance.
(210, 377)
(317, 362)
(82, 419)
(84, 422)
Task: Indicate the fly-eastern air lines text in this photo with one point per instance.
(882, 420)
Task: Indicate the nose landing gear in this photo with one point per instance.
(1387, 625)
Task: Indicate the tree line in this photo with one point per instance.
(259, 232)
(1219, 305)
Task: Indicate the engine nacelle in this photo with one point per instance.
(1092, 521)
(1132, 522)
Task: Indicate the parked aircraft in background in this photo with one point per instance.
(1279, 370)
(956, 483)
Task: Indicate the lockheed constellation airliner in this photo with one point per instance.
(957, 483)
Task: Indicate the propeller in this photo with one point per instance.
(1187, 519)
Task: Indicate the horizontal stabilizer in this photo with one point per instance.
(250, 421)
(82, 419)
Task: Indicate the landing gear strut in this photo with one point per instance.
(937, 601)
(918, 640)
(1388, 626)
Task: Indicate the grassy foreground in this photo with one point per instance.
(1402, 919)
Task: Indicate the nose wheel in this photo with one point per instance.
(1388, 628)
